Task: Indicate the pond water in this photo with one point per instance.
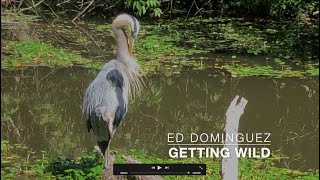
(41, 108)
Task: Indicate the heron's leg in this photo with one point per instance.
(110, 131)
(107, 156)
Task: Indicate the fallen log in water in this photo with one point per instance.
(229, 167)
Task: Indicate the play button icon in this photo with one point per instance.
(159, 167)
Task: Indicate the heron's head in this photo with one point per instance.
(135, 27)
(126, 20)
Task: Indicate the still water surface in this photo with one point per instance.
(41, 108)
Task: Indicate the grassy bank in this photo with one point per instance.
(24, 54)
(36, 53)
(287, 49)
(35, 165)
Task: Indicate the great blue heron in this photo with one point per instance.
(106, 99)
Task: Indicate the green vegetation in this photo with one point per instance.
(268, 71)
(273, 8)
(17, 17)
(174, 45)
(279, 40)
(141, 7)
(249, 168)
(13, 164)
(35, 53)
(284, 33)
(156, 8)
(90, 166)
(291, 45)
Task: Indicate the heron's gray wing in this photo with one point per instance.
(105, 94)
(100, 96)
(116, 78)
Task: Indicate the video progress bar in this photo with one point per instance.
(159, 169)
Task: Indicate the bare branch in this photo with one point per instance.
(33, 6)
(51, 9)
(190, 8)
(59, 4)
(87, 35)
(20, 3)
(79, 14)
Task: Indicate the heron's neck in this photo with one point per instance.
(122, 45)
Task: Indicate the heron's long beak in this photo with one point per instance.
(130, 45)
